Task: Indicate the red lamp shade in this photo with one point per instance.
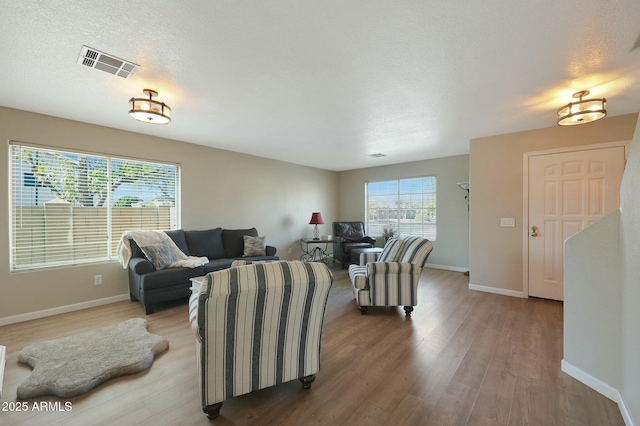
(316, 219)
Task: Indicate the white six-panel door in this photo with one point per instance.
(567, 192)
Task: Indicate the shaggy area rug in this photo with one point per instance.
(73, 365)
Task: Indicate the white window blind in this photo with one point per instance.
(407, 206)
(68, 208)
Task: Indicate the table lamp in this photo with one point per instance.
(316, 219)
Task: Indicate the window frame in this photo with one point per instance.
(372, 228)
(15, 183)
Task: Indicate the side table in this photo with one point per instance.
(315, 250)
(196, 283)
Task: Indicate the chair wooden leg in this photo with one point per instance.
(212, 411)
(307, 380)
(363, 309)
(408, 310)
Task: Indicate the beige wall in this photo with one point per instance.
(592, 301)
(630, 292)
(219, 188)
(496, 176)
(451, 247)
(602, 295)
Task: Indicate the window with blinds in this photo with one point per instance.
(68, 208)
(406, 206)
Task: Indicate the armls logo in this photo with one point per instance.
(44, 406)
(52, 406)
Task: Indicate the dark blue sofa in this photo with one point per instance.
(221, 246)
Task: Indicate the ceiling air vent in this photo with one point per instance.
(92, 58)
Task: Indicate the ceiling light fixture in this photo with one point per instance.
(582, 111)
(148, 110)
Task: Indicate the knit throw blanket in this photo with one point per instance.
(159, 248)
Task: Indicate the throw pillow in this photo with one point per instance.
(161, 254)
(253, 246)
(233, 241)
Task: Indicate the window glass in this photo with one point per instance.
(406, 206)
(69, 208)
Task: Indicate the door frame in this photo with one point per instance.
(525, 194)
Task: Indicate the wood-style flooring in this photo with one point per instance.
(462, 358)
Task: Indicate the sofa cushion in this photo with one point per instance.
(217, 264)
(178, 237)
(170, 277)
(234, 240)
(206, 243)
(161, 254)
(362, 256)
(253, 246)
(347, 247)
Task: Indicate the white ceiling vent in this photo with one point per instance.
(93, 58)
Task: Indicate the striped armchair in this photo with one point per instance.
(391, 278)
(258, 325)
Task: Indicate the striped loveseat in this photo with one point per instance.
(258, 325)
(391, 278)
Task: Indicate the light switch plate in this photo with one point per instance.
(509, 222)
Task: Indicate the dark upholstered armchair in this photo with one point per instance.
(348, 236)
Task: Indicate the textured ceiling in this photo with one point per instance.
(324, 83)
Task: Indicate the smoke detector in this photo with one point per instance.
(93, 58)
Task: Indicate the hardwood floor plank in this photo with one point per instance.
(493, 404)
(462, 391)
(463, 357)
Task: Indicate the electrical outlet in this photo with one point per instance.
(289, 250)
(97, 280)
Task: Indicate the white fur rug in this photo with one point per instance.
(75, 364)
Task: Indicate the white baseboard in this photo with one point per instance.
(496, 290)
(600, 387)
(446, 267)
(62, 309)
(624, 410)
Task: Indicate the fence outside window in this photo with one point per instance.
(68, 208)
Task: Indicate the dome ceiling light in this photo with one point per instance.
(148, 110)
(582, 111)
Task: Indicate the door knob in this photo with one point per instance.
(534, 231)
